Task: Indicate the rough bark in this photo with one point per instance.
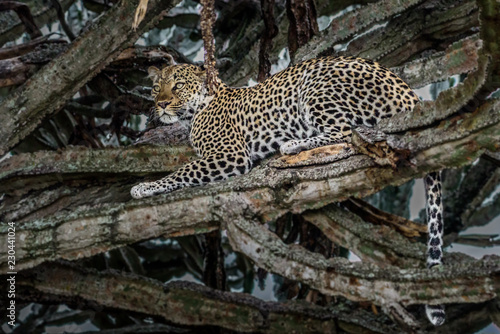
(266, 191)
(387, 286)
(270, 31)
(392, 47)
(460, 57)
(375, 244)
(131, 160)
(352, 23)
(424, 27)
(302, 23)
(24, 13)
(61, 282)
(96, 183)
(207, 21)
(15, 71)
(183, 303)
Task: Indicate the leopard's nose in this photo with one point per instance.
(163, 104)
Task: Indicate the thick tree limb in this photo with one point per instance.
(351, 23)
(15, 71)
(460, 57)
(447, 103)
(137, 159)
(391, 47)
(23, 110)
(302, 23)
(111, 290)
(375, 244)
(270, 31)
(268, 193)
(362, 282)
(427, 26)
(174, 302)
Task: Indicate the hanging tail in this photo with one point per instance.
(435, 313)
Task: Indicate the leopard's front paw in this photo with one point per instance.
(291, 147)
(142, 190)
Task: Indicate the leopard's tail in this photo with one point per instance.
(435, 313)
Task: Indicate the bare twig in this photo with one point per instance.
(62, 20)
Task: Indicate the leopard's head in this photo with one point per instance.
(177, 91)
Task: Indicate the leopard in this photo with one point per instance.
(311, 104)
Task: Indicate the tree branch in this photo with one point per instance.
(360, 281)
(174, 302)
(268, 192)
(376, 244)
(128, 160)
(23, 110)
(42, 12)
(207, 21)
(351, 23)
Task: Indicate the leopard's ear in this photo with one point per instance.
(153, 72)
(201, 73)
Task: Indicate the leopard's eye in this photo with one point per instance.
(156, 89)
(179, 85)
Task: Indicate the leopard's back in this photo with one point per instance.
(323, 96)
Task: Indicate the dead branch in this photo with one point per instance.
(390, 47)
(62, 20)
(360, 281)
(423, 27)
(137, 159)
(351, 23)
(375, 244)
(15, 71)
(19, 50)
(460, 57)
(373, 215)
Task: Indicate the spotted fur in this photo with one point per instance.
(305, 106)
(311, 104)
(434, 206)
